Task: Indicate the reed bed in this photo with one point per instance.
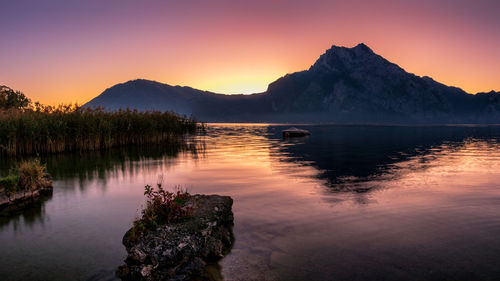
(47, 129)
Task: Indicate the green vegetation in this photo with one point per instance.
(9, 185)
(27, 128)
(162, 207)
(28, 176)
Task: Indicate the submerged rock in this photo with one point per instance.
(181, 250)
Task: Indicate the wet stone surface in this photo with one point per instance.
(181, 251)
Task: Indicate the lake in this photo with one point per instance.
(346, 203)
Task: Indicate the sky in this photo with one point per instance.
(62, 51)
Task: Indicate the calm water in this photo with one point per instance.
(347, 203)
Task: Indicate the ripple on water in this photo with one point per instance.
(346, 203)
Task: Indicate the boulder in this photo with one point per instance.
(181, 250)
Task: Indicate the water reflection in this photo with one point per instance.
(416, 193)
(346, 155)
(80, 169)
(30, 213)
(347, 203)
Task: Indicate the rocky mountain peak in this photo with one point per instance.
(339, 58)
(362, 48)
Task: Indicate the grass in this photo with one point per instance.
(9, 185)
(27, 177)
(162, 207)
(30, 174)
(46, 129)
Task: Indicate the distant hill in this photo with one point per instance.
(345, 85)
(150, 95)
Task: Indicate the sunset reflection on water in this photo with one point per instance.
(346, 203)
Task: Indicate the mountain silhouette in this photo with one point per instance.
(345, 85)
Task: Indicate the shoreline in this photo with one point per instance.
(20, 199)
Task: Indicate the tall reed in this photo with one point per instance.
(48, 129)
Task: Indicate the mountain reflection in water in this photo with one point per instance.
(346, 203)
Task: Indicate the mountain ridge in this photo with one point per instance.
(345, 85)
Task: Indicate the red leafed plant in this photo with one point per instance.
(162, 207)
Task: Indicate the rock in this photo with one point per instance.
(180, 251)
(146, 271)
(137, 255)
(23, 198)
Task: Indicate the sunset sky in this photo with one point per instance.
(70, 51)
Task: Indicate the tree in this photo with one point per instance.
(13, 99)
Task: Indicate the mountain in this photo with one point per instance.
(345, 85)
(150, 95)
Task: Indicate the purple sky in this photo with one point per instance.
(66, 51)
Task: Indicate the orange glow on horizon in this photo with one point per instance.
(232, 47)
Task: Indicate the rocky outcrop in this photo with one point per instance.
(22, 198)
(180, 251)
